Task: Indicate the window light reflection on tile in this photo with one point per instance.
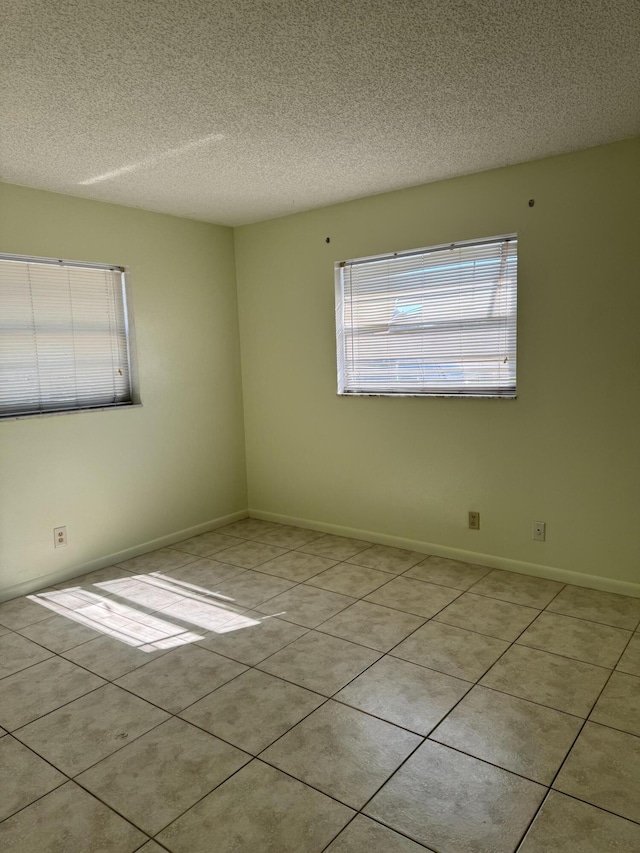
(190, 603)
(103, 612)
(140, 590)
(174, 588)
(130, 626)
(209, 616)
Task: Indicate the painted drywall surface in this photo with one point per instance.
(121, 478)
(564, 452)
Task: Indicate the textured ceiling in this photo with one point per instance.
(233, 111)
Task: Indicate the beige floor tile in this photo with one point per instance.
(451, 650)
(145, 591)
(181, 677)
(404, 694)
(517, 735)
(252, 710)
(250, 554)
(590, 642)
(259, 809)
(163, 773)
(87, 730)
(565, 825)
(206, 544)
(89, 580)
(306, 605)
(252, 588)
(603, 768)
(621, 611)
(412, 596)
(163, 559)
(42, 688)
(111, 658)
(203, 573)
(17, 653)
(152, 847)
(366, 836)
(630, 660)
(254, 641)
(499, 619)
(517, 588)
(350, 580)
(132, 624)
(3, 630)
(342, 752)
(23, 777)
(68, 820)
(248, 528)
(289, 537)
(20, 612)
(456, 804)
(335, 547)
(386, 559)
(557, 682)
(451, 573)
(296, 566)
(320, 662)
(619, 704)
(71, 599)
(372, 625)
(192, 618)
(58, 633)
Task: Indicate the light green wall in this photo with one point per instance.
(122, 478)
(565, 452)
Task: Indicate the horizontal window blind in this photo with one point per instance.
(439, 321)
(63, 337)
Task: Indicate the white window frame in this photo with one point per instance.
(89, 393)
(458, 338)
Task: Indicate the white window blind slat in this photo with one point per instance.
(439, 321)
(63, 337)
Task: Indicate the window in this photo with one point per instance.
(64, 336)
(433, 322)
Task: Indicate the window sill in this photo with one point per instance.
(125, 406)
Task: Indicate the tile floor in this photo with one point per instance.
(268, 688)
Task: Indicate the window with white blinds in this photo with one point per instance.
(436, 322)
(63, 336)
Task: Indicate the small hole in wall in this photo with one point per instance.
(532, 201)
(328, 240)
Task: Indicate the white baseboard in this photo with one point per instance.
(494, 562)
(490, 560)
(42, 581)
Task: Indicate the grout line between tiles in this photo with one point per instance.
(35, 800)
(72, 782)
(30, 665)
(332, 697)
(340, 831)
(570, 750)
(592, 805)
(63, 705)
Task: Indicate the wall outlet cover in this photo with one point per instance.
(474, 521)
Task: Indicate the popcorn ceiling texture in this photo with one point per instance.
(233, 111)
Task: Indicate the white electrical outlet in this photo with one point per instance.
(538, 530)
(59, 537)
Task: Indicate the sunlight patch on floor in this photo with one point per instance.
(169, 598)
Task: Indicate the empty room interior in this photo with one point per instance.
(319, 418)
